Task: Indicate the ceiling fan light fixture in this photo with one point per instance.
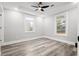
(39, 8)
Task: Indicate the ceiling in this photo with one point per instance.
(26, 6)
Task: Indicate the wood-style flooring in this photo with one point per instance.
(39, 47)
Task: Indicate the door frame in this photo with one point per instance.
(2, 25)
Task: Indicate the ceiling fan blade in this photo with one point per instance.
(35, 6)
(42, 10)
(44, 6)
(36, 9)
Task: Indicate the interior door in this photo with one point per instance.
(0, 25)
(0, 31)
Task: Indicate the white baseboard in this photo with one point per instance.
(64, 41)
(21, 40)
(27, 39)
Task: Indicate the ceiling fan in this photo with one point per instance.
(40, 6)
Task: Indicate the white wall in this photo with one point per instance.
(14, 26)
(72, 26)
(78, 22)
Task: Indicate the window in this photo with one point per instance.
(61, 24)
(29, 24)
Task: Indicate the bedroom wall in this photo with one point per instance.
(14, 26)
(72, 25)
(78, 22)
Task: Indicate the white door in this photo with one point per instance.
(0, 25)
(0, 31)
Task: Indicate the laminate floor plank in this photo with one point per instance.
(39, 47)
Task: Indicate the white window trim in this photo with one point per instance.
(66, 13)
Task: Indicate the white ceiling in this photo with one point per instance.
(26, 6)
